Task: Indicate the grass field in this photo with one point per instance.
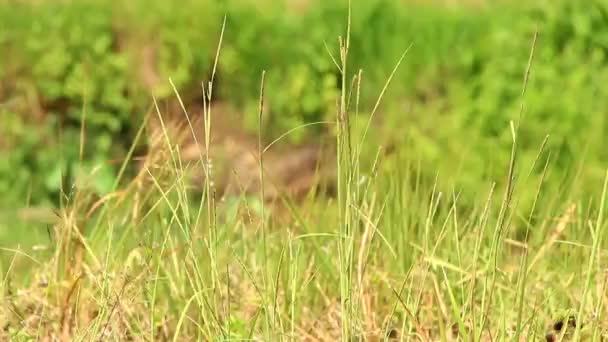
(414, 244)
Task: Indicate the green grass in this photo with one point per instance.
(391, 256)
(396, 254)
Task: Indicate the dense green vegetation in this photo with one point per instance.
(470, 105)
(461, 78)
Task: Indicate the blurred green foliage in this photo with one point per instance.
(450, 102)
(564, 98)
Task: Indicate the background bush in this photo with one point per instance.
(450, 102)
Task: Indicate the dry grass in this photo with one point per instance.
(389, 257)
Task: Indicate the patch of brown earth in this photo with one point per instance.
(291, 170)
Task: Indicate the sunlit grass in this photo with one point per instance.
(390, 257)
